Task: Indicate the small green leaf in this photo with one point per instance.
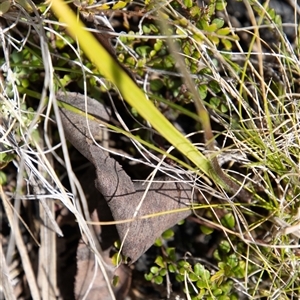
(168, 234)
(105, 6)
(116, 259)
(158, 242)
(223, 108)
(65, 80)
(4, 7)
(141, 63)
(163, 272)
(202, 24)
(154, 270)
(123, 38)
(198, 38)
(149, 276)
(188, 3)
(180, 31)
(222, 265)
(3, 178)
(143, 50)
(193, 277)
(227, 287)
(156, 85)
(172, 268)
(202, 91)
(278, 20)
(232, 260)
(206, 275)
(224, 246)
(201, 284)
(214, 39)
(228, 220)
(17, 57)
(183, 22)
(35, 135)
(224, 31)
(34, 77)
(220, 5)
(219, 22)
(42, 7)
(206, 230)
(60, 43)
(181, 222)
(179, 277)
(130, 61)
(184, 264)
(239, 271)
(169, 62)
(227, 44)
(115, 280)
(216, 255)
(171, 253)
(218, 277)
(25, 83)
(158, 280)
(152, 53)
(217, 292)
(157, 46)
(234, 297)
(195, 11)
(119, 5)
(159, 261)
(6, 157)
(211, 28)
(154, 28)
(146, 29)
(272, 13)
(25, 4)
(198, 269)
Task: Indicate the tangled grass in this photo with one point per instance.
(251, 95)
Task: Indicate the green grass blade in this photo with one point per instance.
(107, 65)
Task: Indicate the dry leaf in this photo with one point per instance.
(121, 194)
